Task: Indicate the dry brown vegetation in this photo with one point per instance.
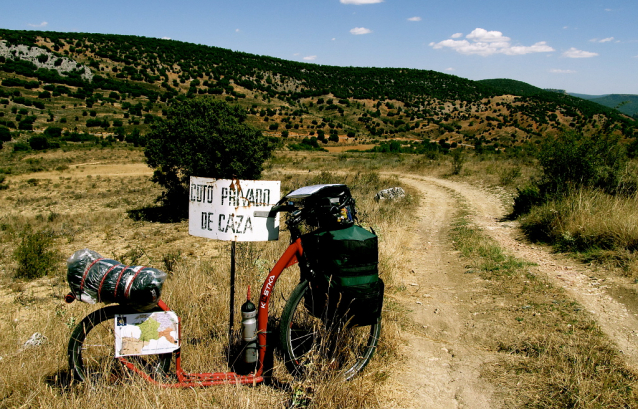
(555, 357)
(79, 208)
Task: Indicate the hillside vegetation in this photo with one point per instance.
(79, 87)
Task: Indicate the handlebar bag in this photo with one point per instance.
(345, 284)
(94, 279)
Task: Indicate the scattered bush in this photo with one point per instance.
(38, 142)
(21, 147)
(458, 159)
(5, 134)
(570, 162)
(35, 255)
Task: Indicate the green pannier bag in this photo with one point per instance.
(345, 284)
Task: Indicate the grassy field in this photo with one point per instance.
(70, 200)
(78, 199)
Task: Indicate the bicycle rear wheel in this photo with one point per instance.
(314, 344)
(92, 350)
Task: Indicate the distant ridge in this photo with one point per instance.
(513, 87)
(587, 96)
(136, 79)
(625, 103)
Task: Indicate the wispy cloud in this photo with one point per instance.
(602, 40)
(576, 53)
(43, 24)
(415, 18)
(485, 43)
(310, 58)
(450, 69)
(559, 71)
(360, 2)
(360, 30)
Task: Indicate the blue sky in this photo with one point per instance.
(583, 46)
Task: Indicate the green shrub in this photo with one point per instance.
(573, 161)
(528, 197)
(38, 142)
(21, 147)
(5, 134)
(35, 255)
(203, 137)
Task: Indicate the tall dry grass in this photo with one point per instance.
(82, 211)
(552, 352)
(592, 222)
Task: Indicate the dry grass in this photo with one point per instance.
(553, 353)
(83, 210)
(599, 225)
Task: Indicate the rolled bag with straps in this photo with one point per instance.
(95, 279)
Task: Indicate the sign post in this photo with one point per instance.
(233, 210)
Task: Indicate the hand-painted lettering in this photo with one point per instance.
(211, 222)
(207, 221)
(201, 193)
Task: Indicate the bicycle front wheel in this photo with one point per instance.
(312, 344)
(92, 350)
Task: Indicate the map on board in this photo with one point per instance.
(146, 333)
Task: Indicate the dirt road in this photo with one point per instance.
(444, 359)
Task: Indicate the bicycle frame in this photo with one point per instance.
(187, 380)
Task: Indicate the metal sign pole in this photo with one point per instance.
(232, 290)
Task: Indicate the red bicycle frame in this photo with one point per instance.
(187, 380)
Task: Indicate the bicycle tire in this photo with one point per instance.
(92, 350)
(314, 344)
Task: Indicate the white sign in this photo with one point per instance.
(233, 210)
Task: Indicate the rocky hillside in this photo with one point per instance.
(78, 87)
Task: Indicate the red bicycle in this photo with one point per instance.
(309, 341)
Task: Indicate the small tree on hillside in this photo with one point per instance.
(203, 137)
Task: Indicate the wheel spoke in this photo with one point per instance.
(310, 342)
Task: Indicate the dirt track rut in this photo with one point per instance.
(444, 363)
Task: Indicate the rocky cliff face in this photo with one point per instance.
(43, 58)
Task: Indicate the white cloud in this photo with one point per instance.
(415, 18)
(450, 69)
(486, 43)
(43, 24)
(360, 30)
(166, 38)
(310, 58)
(559, 71)
(456, 35)
(604, 40)
(575, 53)
(334, 39)
(237, 30)
(482, 35)
(360, 2)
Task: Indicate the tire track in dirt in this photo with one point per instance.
(444, 358)
(616, 316)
